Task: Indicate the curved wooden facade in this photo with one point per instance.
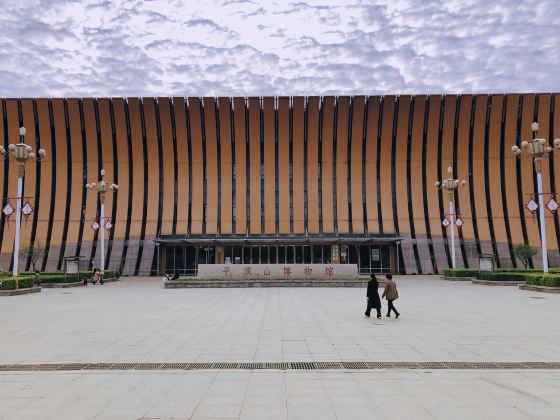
(287, 166)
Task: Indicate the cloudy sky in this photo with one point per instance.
(250, 47)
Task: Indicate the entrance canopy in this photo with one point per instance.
(278, 240)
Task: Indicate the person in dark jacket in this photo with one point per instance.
(373, 300)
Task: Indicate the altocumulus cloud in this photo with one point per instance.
(249, 47)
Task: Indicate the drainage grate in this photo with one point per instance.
(351, 365)
(328, 365)
(147, 366)
(355, 365)
(302, 365)
(226, 365)
(197, 366)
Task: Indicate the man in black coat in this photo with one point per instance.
(373, 297)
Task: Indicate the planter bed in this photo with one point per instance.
(15, 292)
(497, 283)
(61, 285)
(544, 289)
(457, 278)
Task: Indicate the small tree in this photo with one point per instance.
(33, 252)
(524, 252)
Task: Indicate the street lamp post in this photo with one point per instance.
(537, 149)
(21, 152)
(102, 188)
(450, 184)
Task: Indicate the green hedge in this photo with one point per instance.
(9, 283)
(460, 272)
(503, 276)
(59, 277)
(528, 271)
(552, 280)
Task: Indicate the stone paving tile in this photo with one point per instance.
(136, 320)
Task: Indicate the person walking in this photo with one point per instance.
(391, 294)
(373, 300)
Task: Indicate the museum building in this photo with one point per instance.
(279, 180)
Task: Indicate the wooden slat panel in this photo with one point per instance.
(342, 164)
(197, 166)
(478, 174)
(138, 178)
(211, 166)
(255, 166)
(401, 184)
(182, 166)
(107, 152)
(153, 186)
(269, 167)
(385, 164)
(224, 106)
(119, 225)
(510, 171)
(371, 164)
(168, 166)
(92, 176)
(544, 124)
(431, 177)
(494, 178)
(46, 176)
(400, 166)
(10, 225)
(527, 174)
(555, 135)
(30, 174)
(312, 165)
(240, 167)
(61, 184)
(327, 165)
(3, 164)
(298, 165)
(417, 191)
(283, 165)
(446, 162)
(356, 164)
(463, 206)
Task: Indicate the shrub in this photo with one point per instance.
(541, 280)
(7, 284)
(524, 252)
(23, 282)
(460, 272)
(503, 276)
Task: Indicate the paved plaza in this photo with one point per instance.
(137, 321)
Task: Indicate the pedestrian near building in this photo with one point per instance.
(391, 294)
(373, 300)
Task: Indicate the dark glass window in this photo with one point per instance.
(326, 254)
(290, 254)
(272, 255)
(352, 254)
(170, 259)
(237, 254)
(365, 258)
(317, 254)
(281, 254)
(307, 254)
(255, 254)
(246, 255)
(299, 255)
